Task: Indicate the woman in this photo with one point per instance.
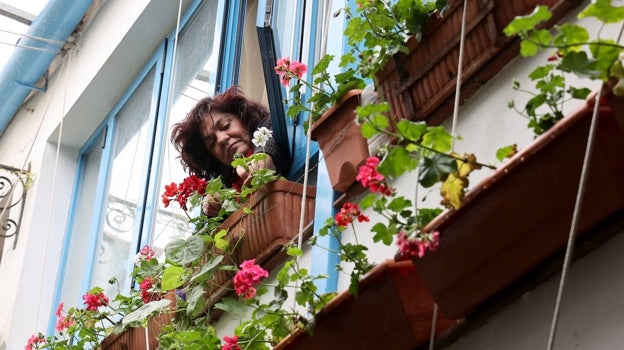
(215, 130)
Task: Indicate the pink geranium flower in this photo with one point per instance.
(247, 277)
(288, 69)
(231, 343)
(369, 177)
(417, 247)
(34, 341)
(95, 300)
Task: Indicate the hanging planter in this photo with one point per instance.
(393, 310)
(340, 138)
(520, 216)
(420, 85)
(261, 234)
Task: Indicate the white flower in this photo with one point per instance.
(261, 136)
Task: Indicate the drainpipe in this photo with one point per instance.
(32, 57)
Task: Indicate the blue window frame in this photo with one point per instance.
(122, 165)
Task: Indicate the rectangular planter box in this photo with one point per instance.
(421, 85)
(392, 311)
(263, 233)
(521, 215)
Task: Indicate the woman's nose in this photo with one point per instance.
(222, 137)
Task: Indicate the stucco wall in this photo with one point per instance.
(111, 51)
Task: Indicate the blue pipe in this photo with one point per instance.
(26, 66)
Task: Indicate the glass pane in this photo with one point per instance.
(82, 225)
(126, 190)
(196, 67)
(285, 28)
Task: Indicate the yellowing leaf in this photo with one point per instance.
(452, 191)
(455, 185)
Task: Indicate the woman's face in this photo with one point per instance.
(224, 136)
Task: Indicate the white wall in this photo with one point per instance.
(112, 50)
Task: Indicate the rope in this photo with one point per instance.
(453, 133)
(54, 176)
(579, 199)
(459, 72)
(575, 216)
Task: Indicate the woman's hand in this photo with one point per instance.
(211, 205)
(267, 163)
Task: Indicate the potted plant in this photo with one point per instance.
(331, 112)
(416, 68)
(486, 247)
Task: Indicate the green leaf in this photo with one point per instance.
(572, 35)
(603, 10)
(207, 269)
(183, 252)
(438, 138)
(528, 48)
(529, 22)
(399, 203)
(396, 162)
(506, 152)
(436, 168)
(196, 300)
(367, 201)
(411, 130)
(579, 93)
(173, 277)
(539, 72)
(426, 215)
(579, 64)
(294, 251)
(382, 233)
(232, 306)
(145, 311)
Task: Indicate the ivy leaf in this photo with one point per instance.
(525, 23)
(572, 35)
(506, 152)
(232, 306)
(173, 277)
(368, 201)
(426, 215)
(411, 130)
(399, 203)
(294, 251)
(183, 252)
(436, 168)
(195, 300)
(538, 73)
(382, 233)
(605, 56)
(145, 311)
(396, 162)
(438, 138)
(579, 93)
(206, 269)
(373, 124)
(603, 10)
(528, 48)
(580, 64)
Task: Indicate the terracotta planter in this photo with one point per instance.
(139, 338)
(521, 215)
(421, 85)
(340, 138)
(392, 311)
(272, 224)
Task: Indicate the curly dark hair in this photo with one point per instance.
(187, 138)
